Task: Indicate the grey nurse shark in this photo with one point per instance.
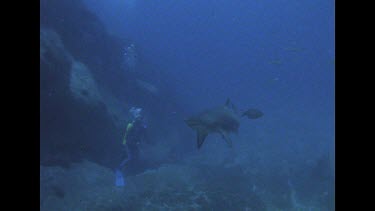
(223, 119)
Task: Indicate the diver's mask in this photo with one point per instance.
(135, 112)
(137, 115)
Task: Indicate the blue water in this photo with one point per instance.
(277, 56)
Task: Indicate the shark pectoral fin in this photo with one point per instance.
(201, 136)
(226, 138)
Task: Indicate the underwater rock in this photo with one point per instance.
(52, 48)
(67, 87)
(58, 191)
(158, 153)
(83, 85)
(81, 31)
(88, 186)
(116, 108)
(55, 63)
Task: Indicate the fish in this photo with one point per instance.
(224, 119)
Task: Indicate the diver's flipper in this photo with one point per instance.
(120, 181)
(201, 135)
(226, 138)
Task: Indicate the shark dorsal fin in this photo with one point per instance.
(201, 136)
(230, 105)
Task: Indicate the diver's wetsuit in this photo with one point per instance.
(133, 138)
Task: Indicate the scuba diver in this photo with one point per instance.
(134, 134)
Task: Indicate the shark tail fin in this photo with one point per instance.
(201, 136)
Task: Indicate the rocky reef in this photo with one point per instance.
(184, 186)
(88, 186)
(70, 100)
(84, 91)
